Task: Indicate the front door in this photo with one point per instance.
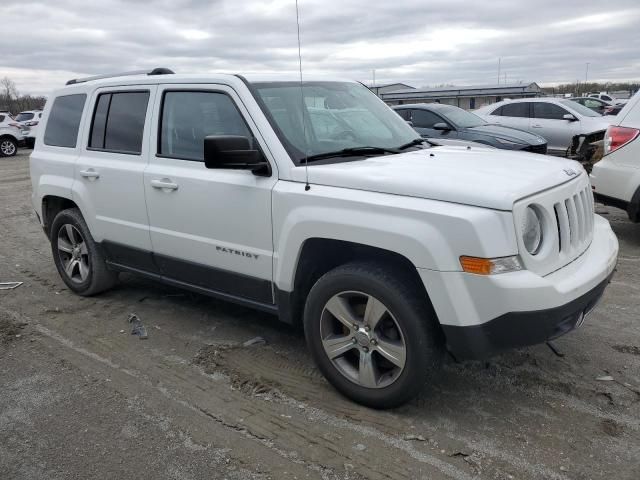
(547, 120)
(209, 227)
(424, 120)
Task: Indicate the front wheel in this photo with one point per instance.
(8, 147)
(372, 334)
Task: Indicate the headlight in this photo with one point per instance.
(532, 230)
(509, 143)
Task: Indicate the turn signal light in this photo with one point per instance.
(490, 266)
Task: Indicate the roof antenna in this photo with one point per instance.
(307, 187)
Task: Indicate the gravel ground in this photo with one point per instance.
(82, 398)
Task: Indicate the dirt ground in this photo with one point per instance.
(80, 397)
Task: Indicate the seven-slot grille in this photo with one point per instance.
(574, 219)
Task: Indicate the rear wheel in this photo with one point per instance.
(78, 259)
(8, 147)
(372, 334)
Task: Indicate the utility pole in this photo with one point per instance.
(586, 73)
(499, 62)
(374, 78)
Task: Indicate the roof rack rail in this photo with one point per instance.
(155, 71)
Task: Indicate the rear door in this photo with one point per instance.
(109, 173)
(514, 115)
(548, 121)
(209, 227)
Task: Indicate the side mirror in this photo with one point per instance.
(234, 152)
(570, 117)
(442, 126)
(409, 122)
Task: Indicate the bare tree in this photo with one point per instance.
(11, 100)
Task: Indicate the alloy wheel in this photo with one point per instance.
(74, 255)
(7, 147)
(363, 339)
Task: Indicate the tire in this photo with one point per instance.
(408, 331)
(30, 142)
(71, 242)
(8, 147)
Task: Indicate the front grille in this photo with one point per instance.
(542, 148)
(574, 221)
(568, 221)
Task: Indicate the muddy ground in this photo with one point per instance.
(80, 397)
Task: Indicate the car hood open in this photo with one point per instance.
(481, 177)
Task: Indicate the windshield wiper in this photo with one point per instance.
(415, 142)
(350, 152)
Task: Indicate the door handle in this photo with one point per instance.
(164, 184)
(536, 126)
(90, 173)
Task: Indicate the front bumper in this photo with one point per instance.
(482, 315)
(521, 329)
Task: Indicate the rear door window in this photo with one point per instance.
(118, 122)
(549, 111)
(64, 121)
(519, 109)
(2, 117)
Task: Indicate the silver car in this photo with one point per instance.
(557, 120)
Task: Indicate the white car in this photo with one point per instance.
(558, 120)
(616, 178)
(10, 135)
(387, 250)
(608, 98)
(29, 121)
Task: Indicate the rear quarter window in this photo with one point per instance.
(64, 121)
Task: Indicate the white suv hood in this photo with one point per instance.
(488, 178)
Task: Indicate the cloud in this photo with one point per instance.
(413, 41)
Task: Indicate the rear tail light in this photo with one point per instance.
(17, 125)
(618, 137)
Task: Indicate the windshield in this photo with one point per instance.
(24, 116)
(461, 118)
(337, 116)
(581, 109)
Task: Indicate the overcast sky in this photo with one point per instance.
(420, 42)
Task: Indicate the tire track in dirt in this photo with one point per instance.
(276, 423)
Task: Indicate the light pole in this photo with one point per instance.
(586, 73)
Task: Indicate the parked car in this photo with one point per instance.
(599, 106)
(608, 98)
(616, 178)
(387, 250)
(29, 121)
(10, 135)
(436, 120)
(557, 120)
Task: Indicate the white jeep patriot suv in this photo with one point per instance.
(387, 250)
